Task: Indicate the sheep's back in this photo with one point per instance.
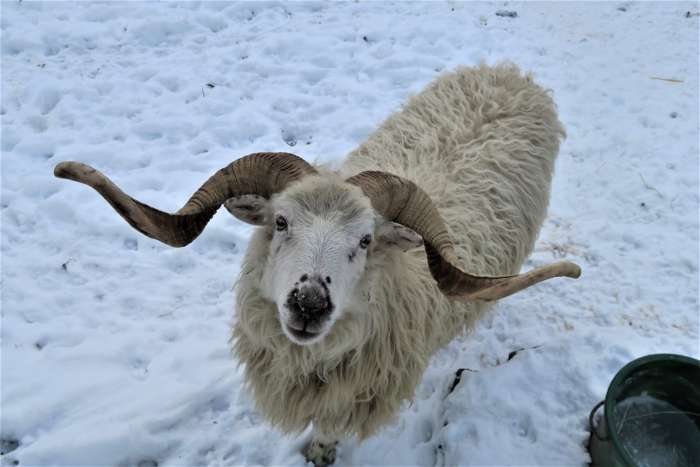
(482, 143)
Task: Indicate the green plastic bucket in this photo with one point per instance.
(652, 415)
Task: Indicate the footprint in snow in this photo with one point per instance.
(47, 99)
(38, 123)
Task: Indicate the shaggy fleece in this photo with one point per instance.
(482, 143)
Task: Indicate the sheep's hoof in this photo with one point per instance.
(321, 454)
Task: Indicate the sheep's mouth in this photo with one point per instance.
(303, 334)
(303, 326)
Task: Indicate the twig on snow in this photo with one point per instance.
(649, 187)
(670, 80)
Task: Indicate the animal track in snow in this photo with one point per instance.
(38, 123)
(47, 99)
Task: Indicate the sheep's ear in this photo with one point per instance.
(252, 209)
(393, 235)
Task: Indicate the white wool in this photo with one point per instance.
(482, 143)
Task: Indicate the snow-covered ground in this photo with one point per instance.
(115, 348)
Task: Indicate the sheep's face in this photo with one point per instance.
(321, 236)
(321, 232)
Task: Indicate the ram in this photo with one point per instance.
(356, 277)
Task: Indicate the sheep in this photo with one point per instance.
(356, 277)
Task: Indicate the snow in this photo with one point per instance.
(115, 348)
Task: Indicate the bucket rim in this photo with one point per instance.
(620, 376)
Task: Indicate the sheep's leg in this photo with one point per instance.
(321, 450)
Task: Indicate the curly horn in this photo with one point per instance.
(402, 201)
(262, 174)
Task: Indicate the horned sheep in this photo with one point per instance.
(356, 277)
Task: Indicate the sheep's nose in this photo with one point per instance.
(309, 306)
(312, 301)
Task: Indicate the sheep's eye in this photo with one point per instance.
(365, 241)
(280, 223)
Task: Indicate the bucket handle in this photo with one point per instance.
(594, 430)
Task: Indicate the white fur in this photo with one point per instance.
(482, 143)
